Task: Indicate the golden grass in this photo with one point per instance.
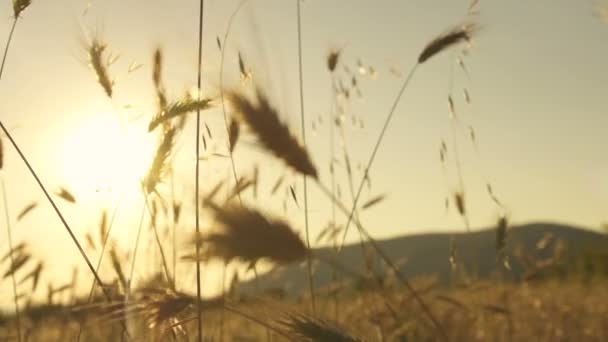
(243, 234)
(263, 120)
(19, 6)
(446, 40)
(247, 235)
(96, 49)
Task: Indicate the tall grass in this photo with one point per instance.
(197, 171)
(246, 234)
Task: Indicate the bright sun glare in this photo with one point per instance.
(103, 155)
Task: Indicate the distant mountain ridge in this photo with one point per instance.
(429, 254)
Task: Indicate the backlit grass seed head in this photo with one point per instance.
(178, 109)
(459, 201)
(263, 120)
(245, 234)
(233, 134)
(304, 328)
(446, 40)
(19, 6)
(96, 50)
(332, 60)
(161, 160)
(501, 233)
(26, 210)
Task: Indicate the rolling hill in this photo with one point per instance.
(530, 248)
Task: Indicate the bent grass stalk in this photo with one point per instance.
(433, 48)
(303, 126)
(221, 82)
(375, 151)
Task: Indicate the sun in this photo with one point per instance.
(103, 155)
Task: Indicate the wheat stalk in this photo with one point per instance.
(246, 234)
(308, 329)
(263, 120)
(452, 37)
(95, 51)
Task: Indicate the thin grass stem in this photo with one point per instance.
(311, 284)
(375, 151)
(388, 262)
(9, 236)
(199, 311)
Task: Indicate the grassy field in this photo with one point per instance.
(553, 299)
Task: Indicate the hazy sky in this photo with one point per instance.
(537, 82)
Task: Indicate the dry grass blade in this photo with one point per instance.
(332, 60)
(293, 195)
(90, 242)
(240, 186)
(451, 107)
(118, 268)
(95, 50)
(157, 68)
(467, 96)
(16, 250)
(19, 6)
(277, 184)
(66, 195)
(304, 328)
(211, 194)
(444, 41)
(17, 264)
(264, 121)
(26, 210)
(1, 154)
(459, 201)
(490, 191)
(134, 66)
(256, 180)
(178, 108)
(501, 240)
(161, 158)
(245, 234)
(245, 74)
(233, 134)
(103, 226)
(157, 79)
(177, 210)
(373, 201)
(34, 275)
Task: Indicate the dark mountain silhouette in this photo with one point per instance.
(530, 248)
